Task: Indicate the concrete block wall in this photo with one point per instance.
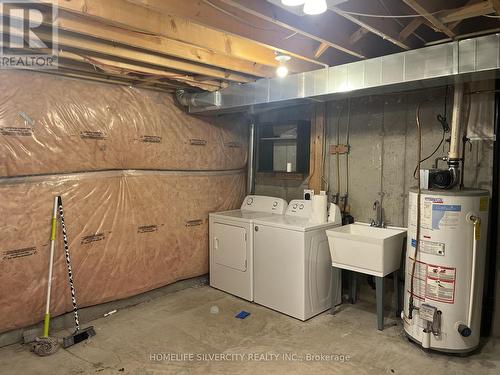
(382, 134)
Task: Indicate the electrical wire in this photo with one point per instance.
(442, 120)
(417, 167)
(417, 234)
(388, 10)
(338, 10)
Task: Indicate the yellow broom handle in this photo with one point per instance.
(51, 262)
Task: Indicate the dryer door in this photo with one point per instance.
(229, 246)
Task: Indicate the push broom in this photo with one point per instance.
(46, 345)
(80, 334)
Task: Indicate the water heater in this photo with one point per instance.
(443, 299)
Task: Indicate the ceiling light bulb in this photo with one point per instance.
(282, 71)
(313, 7)
(293, 3)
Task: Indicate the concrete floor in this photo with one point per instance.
(181, 323)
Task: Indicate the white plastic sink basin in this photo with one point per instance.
(370, 250)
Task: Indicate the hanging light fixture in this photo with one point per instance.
(313, 7)
(282, 70)
(293, 3)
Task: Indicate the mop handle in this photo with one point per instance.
(68, 263)
(51, 262)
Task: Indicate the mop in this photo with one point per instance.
(46, 345)
(80, 334)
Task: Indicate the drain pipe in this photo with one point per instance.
(456, 135)
(251, 160)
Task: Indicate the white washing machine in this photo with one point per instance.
(292, 264)
(231, 244)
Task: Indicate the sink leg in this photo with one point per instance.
(336, 289)
(395, 275)
(379, 283)
(353, 286)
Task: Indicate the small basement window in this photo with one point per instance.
(284, 144)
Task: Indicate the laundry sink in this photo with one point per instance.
(370, 250)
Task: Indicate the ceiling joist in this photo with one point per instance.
(186, 39)
(161, 47)
(417, 7)
(472, 9)
(266, 12)
(387, 29)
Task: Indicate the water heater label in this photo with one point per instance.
(433, 282)
(426, 214)
(445, 216)
(430, 247)
(441, 283)
(419, 279)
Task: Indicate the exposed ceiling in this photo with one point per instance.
(209, 44)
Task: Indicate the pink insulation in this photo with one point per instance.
(51, 124)
(132, 227)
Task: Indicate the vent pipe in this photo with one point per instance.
(456, 122)
(456, 135)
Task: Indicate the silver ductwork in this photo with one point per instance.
(476, 58)
(198, 100)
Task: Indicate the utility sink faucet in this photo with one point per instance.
(379, 221)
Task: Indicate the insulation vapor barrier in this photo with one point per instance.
(129, 232)
(51, 124)
(138, 177)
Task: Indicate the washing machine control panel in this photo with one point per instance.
(263, 203)
(299, 207)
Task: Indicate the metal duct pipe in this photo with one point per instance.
(251, 160)
(475, 58)
(198, 100)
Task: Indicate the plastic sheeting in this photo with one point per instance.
(138, 177)
(51, 124)
(129, 232)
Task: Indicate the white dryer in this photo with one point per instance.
(231, 244)
(292, 265)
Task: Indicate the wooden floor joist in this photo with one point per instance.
(415, 5)
(157, 45)
(386, 29)
(124, 69)
(470, 10)
(193, 41)
(128, 16)
(208, 13)
(258, 9)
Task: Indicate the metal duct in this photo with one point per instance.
(476, 58)
(196, 100)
